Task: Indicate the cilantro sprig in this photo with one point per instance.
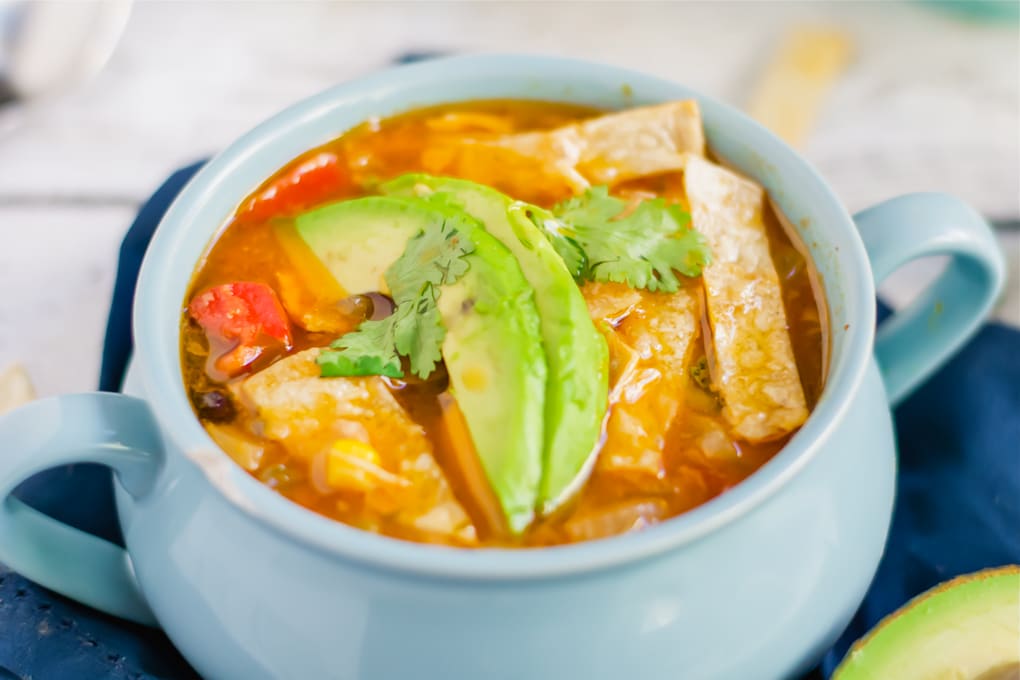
(561, 236)
(370, 350)
(431, 259)
(600, 240)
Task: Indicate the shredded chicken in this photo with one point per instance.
(308, 415)
(246, 449)
(619, 518)
(651, 337)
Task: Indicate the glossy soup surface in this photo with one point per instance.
(697, 458)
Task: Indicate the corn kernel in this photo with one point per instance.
(357, 449)
(353, 465)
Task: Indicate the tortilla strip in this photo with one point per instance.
(15, 388)
(790, 94)
(755, 369)
(651, 339)
(608, 149)
(610, 303)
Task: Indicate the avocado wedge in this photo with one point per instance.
(577, 390)
(965, 629)
(492, 348)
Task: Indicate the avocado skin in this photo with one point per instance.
(968, 627)
(492, 348)
(577, 355)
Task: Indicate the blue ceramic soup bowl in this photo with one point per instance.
(754, 584)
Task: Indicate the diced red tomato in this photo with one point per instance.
(243, 320)
(315, 180)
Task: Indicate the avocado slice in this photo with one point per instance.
(577, 392)
(966, 629)
(493, 349)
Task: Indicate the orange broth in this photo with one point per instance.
(247, 249)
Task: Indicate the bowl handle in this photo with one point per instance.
(101, 427)
(916, 340)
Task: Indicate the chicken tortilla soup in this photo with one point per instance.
(505, 323)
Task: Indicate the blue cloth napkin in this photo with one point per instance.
(957, 511)
(44, 636)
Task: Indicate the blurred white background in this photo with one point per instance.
(931, 101)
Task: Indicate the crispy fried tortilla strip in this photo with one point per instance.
(755, 368)
(792, 90)
(618, 146)
(15, 388)
(608, 149)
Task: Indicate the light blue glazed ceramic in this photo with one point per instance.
(754, 584)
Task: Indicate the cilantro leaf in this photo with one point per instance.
(340, 364)
(420, 332)
(366, 351)
(643, 248)
(566, 247)
(431, 259)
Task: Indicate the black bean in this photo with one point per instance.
(214, 406)
(382, 306)
(357, 307)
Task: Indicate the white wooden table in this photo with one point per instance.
(930, 103)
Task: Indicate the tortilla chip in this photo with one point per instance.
(608, 149)
(791, 92)
(610, 302)
(640, 142)
(15, 388)
(755, 369)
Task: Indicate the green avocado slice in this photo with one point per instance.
(965, 629)
(577, 389)
(493, 348)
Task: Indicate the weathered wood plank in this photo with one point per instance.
(188, 79)
(56, 273)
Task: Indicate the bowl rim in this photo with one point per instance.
(160, 371)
